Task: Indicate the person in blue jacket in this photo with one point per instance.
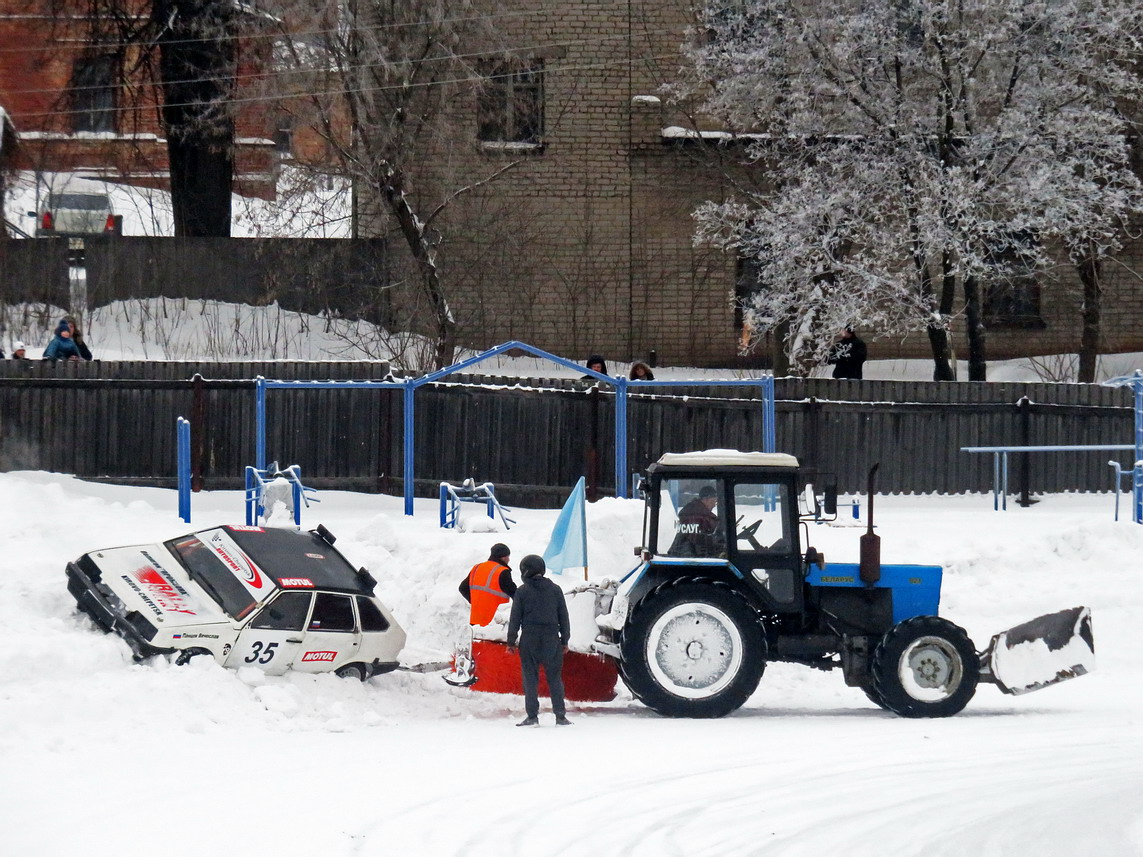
(63, 346)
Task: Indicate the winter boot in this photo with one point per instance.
(529, 721)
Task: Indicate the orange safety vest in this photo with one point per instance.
(484, 591)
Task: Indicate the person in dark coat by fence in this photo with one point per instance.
(847, 355)
(596, 364)
(540, 617)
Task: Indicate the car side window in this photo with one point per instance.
(287, 612)
(372, 619)
(332, 613)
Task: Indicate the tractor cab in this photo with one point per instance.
(736, 513)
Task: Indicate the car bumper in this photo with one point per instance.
(96, 600)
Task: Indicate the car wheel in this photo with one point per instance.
(925, 667)
(693, 650)
(357, 671)
(184, 657)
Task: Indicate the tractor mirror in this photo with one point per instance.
(811, 502)
(829, 498)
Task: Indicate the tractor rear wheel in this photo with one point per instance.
(693, 650)
(925, 667)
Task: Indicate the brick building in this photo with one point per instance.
(86, 103)
(585, 246)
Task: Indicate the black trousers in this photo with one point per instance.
(544, 649)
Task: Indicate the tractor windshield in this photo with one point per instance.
(761, 520)
(691, 519)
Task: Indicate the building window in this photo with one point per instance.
(511, 109)
(284, 136)
(1011, 295)
(92, 93)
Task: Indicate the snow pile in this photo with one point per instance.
(389, 765)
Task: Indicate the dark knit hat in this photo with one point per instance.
(62, 326)
(532, 566)
(499, 551)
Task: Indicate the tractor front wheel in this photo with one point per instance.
(924, 667)
(693, 650)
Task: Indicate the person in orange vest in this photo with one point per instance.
(488, 585)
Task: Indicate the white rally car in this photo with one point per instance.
(270, 598)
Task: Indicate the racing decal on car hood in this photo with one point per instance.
(159, 591)
(234, 559)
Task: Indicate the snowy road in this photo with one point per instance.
(103, 757)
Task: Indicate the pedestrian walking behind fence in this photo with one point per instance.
(540, 617)
(596, 364)
(62, 346)
(847, 355)
(641, 372)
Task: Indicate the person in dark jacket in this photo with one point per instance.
(698, 530)
(595, 364)
(77, 338)
(847, 355)
(641, 372)
(62, 346)
(540, 617)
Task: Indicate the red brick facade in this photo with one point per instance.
(78, 106)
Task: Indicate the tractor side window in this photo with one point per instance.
(760, 518)
(287, 612)
(690, 518)
(332, 613)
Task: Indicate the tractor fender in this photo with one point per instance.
(654, 573)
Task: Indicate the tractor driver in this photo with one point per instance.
(698, 529)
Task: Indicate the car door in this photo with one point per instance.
(271, 639)
(332, 638)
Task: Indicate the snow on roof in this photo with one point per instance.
(728, 458)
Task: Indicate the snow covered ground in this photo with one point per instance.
(101, 756)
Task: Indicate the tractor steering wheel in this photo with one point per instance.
(750, 534)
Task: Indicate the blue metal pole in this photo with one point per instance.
(409, 446)
(769, 429)
(621, 437)
(1138, 480)
(183, 431)
(260, 423)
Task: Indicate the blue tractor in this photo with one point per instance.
(725, 586)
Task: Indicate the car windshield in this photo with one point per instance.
(209, 572)
(78, 202)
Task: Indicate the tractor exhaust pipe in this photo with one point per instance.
(871, 542)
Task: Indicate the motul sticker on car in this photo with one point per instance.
(319, 656)
(295, 581)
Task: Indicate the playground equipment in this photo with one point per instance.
(409, 387)
(265, 487)
(469, 492)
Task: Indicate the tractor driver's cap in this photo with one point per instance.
(499, 551)
(532, 566)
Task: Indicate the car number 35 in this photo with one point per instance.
(261, 652)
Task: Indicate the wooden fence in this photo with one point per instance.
(535, 437)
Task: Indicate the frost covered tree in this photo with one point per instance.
(915, 152)
(385, 85)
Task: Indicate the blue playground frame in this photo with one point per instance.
(409, 387)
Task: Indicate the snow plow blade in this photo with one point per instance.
(1044, 651)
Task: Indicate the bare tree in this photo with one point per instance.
(389, 87)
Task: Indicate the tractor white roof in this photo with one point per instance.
(728, 458)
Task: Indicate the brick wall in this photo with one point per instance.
(585, 246)
(39, 51)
